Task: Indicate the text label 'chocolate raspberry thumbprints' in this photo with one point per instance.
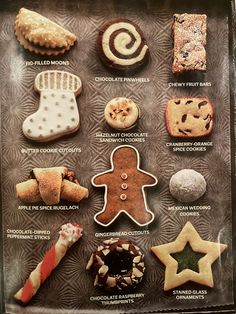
(121, 45)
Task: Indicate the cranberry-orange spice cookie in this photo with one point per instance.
(40, 35)
(121, 45)
(189, 117)
(69, 234)
(211, 251)
(189, 42)
(125, 185)
(117, 264)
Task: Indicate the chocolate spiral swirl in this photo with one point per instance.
(122, 44)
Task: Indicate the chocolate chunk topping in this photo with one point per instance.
(203, 103)
(189, 102)
(196, 117)
(184, 117)
(208, 125)
(177, 102)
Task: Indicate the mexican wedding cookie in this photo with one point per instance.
(121, 45)
(189, 42)
(50, 185)
(189, 117)
(38, 34)
(68, 235)
(121, 113)
(58, 114)
(125, 184)
(187, 185)
(117, 264)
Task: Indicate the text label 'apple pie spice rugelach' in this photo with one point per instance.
(117, 146)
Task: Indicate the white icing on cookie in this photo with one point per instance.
(56, 116)
(120, 44)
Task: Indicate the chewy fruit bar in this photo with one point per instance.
(189, 117)
(189, 42)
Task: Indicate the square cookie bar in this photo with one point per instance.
(189, 117)
(189, 32)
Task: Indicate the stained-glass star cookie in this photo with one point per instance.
(188, 236)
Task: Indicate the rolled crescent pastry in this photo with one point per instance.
(50, 185)
(69, 234)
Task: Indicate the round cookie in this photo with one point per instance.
(117, 264)
(121, 45)
(121, 113)
(187, 185)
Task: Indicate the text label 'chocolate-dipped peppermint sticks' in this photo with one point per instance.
(125, 185)
(121, 45)
(69, 234)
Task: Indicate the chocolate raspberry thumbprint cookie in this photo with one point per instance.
(121, 45)
(117, 264)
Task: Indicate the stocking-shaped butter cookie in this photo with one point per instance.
(124, 188)
(58, 113)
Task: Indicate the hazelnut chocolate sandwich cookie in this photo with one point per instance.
(40, 35)
(189, 42)
(117, 264)
(122, 113)
(121, 45)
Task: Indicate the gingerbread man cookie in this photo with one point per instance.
(125, 185)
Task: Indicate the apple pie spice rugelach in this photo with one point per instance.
(69, 234)
(38, 34)
(188, 235)
(189, 42)
(189, 117)
(58, 113)
(51, 185)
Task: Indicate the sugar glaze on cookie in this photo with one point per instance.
(122, 45)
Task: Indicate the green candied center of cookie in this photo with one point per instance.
(187, 259)
(119, 263)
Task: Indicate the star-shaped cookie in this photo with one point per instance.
(189, 235)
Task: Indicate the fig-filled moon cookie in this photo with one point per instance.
(58, 113)
(121, 45)
(121, 113)
(40, 35)
(125, 185)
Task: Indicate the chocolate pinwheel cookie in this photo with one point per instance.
(189, 117)
(38, 34)
(50, 185)
(117, 264)
(121, 45)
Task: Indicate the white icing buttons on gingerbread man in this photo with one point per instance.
(58, 113)
(124, 188)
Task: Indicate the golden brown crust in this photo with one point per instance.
(41, 31)
(73, 192)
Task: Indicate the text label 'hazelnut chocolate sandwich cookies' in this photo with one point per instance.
(68, 235)
(175, 275)
(122, 113)
(50, 185)
(38, 34)
(58, 113)
(189, 42)
(189, 117)
(117, 264)
(125, 185)
(121, 45)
